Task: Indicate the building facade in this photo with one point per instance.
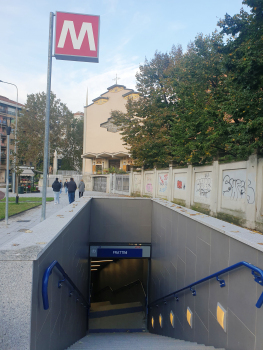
(102, 144)
(7, 113)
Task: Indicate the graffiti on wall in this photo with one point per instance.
(180, 182)
(203, 185)
(163, 183)
(137, 183)
(149, 183)
(234, 186)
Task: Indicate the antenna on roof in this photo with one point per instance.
(116, 79)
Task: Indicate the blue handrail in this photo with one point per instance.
(256, 272)
(66, 277)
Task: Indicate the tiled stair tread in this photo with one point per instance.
(109, 306)
(126, 341)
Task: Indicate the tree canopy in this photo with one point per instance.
(65, 136)
(204, 103)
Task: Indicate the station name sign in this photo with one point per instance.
(77, 37)
(135, 251)
(119, 253)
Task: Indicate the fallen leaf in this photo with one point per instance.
(193, 214)
(15, 244)
(260, 243)
(70, 211)
(234, 231)
(28, 231)
(41, 243)
(173, 205)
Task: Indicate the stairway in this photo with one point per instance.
(105, 317)
(134, 341)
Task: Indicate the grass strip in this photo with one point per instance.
(14, 208)
(27, 199)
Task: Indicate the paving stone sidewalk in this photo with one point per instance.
(19, 223)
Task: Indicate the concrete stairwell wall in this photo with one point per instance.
(188, 246)
(24, 324)
(121, 220)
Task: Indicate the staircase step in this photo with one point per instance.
(124, 321)
(131, 341)
(104, 306)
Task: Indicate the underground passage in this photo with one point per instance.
(126, 273)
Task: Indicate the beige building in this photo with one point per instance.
(102, 143)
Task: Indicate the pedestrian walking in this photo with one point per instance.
(61, 186)
(81, 188)
(71, 190)
(56, 189)
(66, 186)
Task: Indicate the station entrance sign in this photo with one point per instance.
(77, 37)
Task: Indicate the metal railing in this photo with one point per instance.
(122, 183)
(65, 278)
(68, 172)
(256, 272)
(126, 286)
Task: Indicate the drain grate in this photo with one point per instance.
(23, 220)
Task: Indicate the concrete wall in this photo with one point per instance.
(120, 220)
(188, 246)
(229, 191)
(24, 323)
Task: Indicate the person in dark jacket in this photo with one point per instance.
(81, 188)
(66, 186)
(61, 186)
(56, 188)
(71, 190)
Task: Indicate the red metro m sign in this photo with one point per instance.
(77, 37)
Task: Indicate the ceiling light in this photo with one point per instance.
(100, 261)
(95, 265)
(94, 269)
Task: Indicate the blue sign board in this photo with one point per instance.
(119, 253)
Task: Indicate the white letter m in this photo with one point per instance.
(77, 42)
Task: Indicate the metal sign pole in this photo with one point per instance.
(49, 69)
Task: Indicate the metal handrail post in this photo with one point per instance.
(8, 129)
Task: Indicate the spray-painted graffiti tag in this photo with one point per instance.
(204, 185)
(163, 182)
(236, 189)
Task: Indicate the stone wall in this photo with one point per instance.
(188, 246)
(229, 191)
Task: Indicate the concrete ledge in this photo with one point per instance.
(31, 245)
(249, 237)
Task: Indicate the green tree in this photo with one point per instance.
(72, 144)
(243, 60)
(146, 125)
(31, 128)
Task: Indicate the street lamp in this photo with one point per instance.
(8, 131)
(14, 173)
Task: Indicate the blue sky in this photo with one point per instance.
(129, 32)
